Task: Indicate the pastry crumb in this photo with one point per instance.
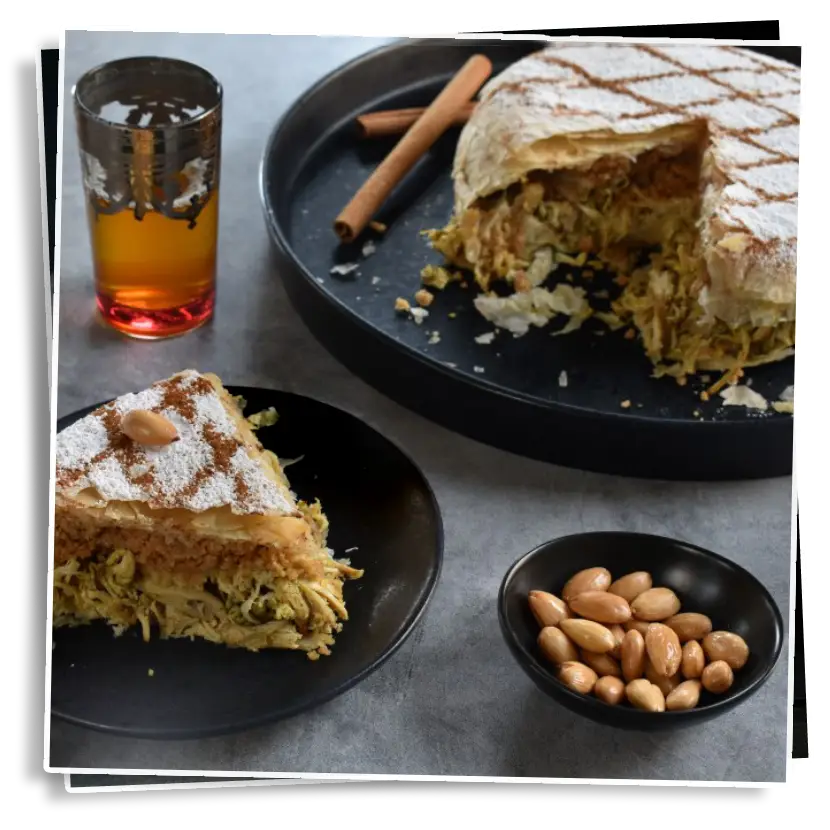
(744, 396)
(479, 370)
(368, 249)
(485, 339)
(345, 268)
(419, 315)
(151, 672)
(377, 227)
(402, 305)
(784, 407)
(626, 404)
(375, 280)
(424, 298)
(563, 378)
(434, 337)
(437, 277)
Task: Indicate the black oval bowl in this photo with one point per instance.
(377, 500)
(704, 581)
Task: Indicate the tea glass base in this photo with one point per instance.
(156, 324)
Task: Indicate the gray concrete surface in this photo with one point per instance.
(451, 701)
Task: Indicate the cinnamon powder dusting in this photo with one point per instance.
(224, 447)
(175, 396)
(240, 487)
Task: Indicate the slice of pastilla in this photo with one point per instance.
(169, 513)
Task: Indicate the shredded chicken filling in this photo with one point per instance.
(246, 610)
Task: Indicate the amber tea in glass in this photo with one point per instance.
(149, 131)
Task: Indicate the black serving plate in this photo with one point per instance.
(377, 501)
(704, 581)
(506, 394)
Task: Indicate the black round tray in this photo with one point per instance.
(505, 394)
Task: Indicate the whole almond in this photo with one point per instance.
(655, 605)
(637, 625)
(590, 635)
(663, 649)
(644, 695)
(692, 660)
(619, 632)
(603, 664)
(610, 690)
(602, 607)
(556, 647)
(684, 696)
(547, 608)
(689, 626)
(591, 579)
(633, 655)
(726, 646)
(578, 677)
(717, 677)
(630, 586)
(664, 684)
(148, 428)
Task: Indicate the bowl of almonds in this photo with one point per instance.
(639, 631)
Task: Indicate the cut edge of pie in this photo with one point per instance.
(200, 538)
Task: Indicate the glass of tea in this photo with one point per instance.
(149, 131)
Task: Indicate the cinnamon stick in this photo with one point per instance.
(434, 121)
(397, 122)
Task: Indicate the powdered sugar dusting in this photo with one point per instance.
(679, 89)
(739, 114)
(756, 82)
(735, 151)
(207, 467)
(783, 140)
(627, 62)
(773, 179)
(769, 221)
(708, 58)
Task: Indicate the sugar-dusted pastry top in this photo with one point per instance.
(570, 104)
(212, 464)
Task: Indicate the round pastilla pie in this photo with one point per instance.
(197, 537)
(675, 166)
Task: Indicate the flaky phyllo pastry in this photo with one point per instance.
(199, 537)
(674, 166)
